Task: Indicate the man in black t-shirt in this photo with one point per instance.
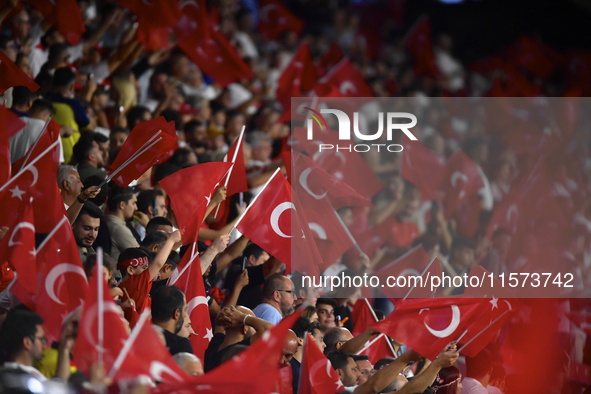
(259, 266)
(169, 307)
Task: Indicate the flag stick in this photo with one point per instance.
(173, 280)
(129, 343)
(239, 141)
(25, 168)
(371, 309)
(131, 159)
(484, 329)
(101, 303)
(461, 336)
(348, 232)
(36, 142)
(52, 232)
(425, 270)
(253, 200)
(241, 195)
(134, 155)
(368, 344)
(405, 370)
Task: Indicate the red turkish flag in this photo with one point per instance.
(506, 214)
(145, 355)
(64, 15)
(237, 375)
(462, 180)
(11, 75)
(18, 248)
(347, 78)
(530, 55)
(500, 303)
(378, 348)
(190, 191)
(265, 224)
(155, 13)
(411, 264)
(275, 18)
(317, 375)
(237, 175)
(190, 282)
(422, 168)
(428, 325)
(210, 50)
(347, 166)
(36, 181)
(157, 134)
(418, 43)
(49, 136)
(313, 184)
(299, 76)
(193, 20)
(11, 124)
(363, 316)
(114, 332)
(155, 18)
(329, 59)
(61, 281)
(235, 180)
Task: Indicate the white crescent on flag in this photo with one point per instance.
(279, 209)
(455, 322)
(55, 273)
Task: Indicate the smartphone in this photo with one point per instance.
(244, 263)
(74, 329)
(121, 109)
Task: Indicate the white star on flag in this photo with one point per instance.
(209, 334)
(16, 192)
(494, 302)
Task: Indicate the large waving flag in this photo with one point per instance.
(145, 355)
(275, 221)
(428, 325)
(317, 375)
(299, 76)
(190, 191)
(189, 280)
(61, 281)
(101, 332)
(11, 75)
(146, 144)
(275, 18)
(64, 16)
(237, 375)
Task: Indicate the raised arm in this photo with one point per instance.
(218, 246)
(381, 379)
(162, 255)
(234, 250)
(354, 345)
(241, 281)
(420, 382)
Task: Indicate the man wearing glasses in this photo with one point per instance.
(278, 299)
(24, 340)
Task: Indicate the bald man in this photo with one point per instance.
(234, 326)
(278, 299)
(335, 338)
(189, 363)
(285, 383)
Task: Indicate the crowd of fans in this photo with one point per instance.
(100, 89)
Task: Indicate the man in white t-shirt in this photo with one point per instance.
(478, 372)
(278, 299)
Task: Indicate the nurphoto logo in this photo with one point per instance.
(345, 129)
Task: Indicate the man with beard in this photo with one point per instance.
(169, 308)
(89, 157)
(278, 299)
(86, 227)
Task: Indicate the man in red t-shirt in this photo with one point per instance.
(405, 231)
(138, 272)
